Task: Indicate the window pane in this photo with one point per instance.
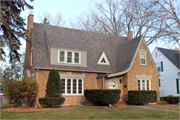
(147, 82)
(76, 54)
(143, 61)
(61, 59)
(74, 86)
(69, 54)
(139, 85)
(76, 60)
(61, 53)
(142, 55)
(63, 85)
(68, 85)
(80, 87)
(68, 59)
(143, 84)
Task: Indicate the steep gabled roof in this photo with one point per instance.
(172, 55)
(118, 50)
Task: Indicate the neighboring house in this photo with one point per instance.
(167, 62)
(2, 95)
(88, 60)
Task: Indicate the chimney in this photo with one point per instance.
(130, 35)
(28, 42)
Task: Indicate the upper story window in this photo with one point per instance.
(69, 57)
(143, 58)
(159, 66)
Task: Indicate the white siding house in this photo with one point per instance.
(167, 62)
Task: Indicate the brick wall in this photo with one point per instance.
(90, 82)
(139, 70)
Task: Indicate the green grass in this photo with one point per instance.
(163, 102)
(168, 107)
(5, 106)
(92, 113)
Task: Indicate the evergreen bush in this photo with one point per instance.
(138, 97)
(171, 99)
(54, 84)
(102, 96)
(53, 91)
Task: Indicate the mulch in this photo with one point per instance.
(30, 109)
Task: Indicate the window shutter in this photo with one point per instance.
(177, 83)
(159, 82)
(161, 65)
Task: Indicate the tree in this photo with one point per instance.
(45, 21)
(57, 20)
(145, 18)
(12, 73)
(54, 85)
(12, 27)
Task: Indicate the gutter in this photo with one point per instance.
(37, 94)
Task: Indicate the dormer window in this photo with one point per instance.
(69, 57)
(103, 60)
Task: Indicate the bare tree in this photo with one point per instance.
(145, 18)
(48, 19)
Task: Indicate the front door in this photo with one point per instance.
(112, 85)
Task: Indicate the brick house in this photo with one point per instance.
(88, 60)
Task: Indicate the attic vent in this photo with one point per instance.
(103, 60)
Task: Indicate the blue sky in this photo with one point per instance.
(70, 9)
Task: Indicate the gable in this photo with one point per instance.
(103, 60)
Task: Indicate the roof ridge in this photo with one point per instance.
(78, 30)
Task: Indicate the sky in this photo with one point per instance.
(70, 9)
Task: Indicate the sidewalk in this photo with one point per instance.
(148, 108)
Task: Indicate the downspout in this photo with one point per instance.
(103, 82)
(37, 94)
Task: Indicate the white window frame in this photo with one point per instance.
(77, 86)
(145, 84)
(142, 58)
(65, 57)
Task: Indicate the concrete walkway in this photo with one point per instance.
(149, 108)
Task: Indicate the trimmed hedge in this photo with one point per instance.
(138, 97)
(51, 101)
(171, 100)
(102, 96)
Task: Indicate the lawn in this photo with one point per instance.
(93, 113)
(169, 107)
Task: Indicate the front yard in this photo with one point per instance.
(93, 113)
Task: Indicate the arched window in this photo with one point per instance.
(112, 85)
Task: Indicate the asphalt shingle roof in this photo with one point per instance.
(118, 49)
(172, 55)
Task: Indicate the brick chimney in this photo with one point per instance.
(28, 42)
(130, 35)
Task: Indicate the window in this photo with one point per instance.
(112, 85)
(72, 86)
(103, 60)
(69, 57)
(160, 66)
(143, 58)
(144, 85)
(62, 55)
(178, 85)
(76, 58)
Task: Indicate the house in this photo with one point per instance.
(167, 62)
(88, 60)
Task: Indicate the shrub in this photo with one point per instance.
(102, 96)
(139, 97)
(24, 91)
(54, 85)
(51, 101)
(171, 99)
